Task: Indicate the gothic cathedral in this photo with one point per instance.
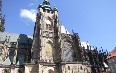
(49, 50)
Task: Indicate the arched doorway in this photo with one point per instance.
(51, 71)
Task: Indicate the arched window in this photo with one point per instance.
(47, 27)
(68, 68)
(81, 68)
(50, 71)
(19, 71)
(48, 23)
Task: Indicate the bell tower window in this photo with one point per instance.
(47, 26)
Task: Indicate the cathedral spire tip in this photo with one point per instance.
(0, 8)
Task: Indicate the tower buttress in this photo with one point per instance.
(2, 19)
(36, 40)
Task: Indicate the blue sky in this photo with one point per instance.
(94, 20)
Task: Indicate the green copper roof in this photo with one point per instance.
(45, 5)
(7, 62)
(13, 37)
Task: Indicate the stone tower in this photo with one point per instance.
(2, 20)
(46, 39)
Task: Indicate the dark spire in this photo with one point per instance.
(0, 8)
(2, 19)
(55, 9)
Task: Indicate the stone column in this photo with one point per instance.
(31, 68)
(12, 69)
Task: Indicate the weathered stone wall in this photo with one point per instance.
(4, 50)
(76, 68)
(66, 46)
(66, 68)
(10, 69)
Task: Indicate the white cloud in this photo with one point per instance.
(28, 14)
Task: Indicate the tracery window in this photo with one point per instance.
(48, 23)
(21, 56)
(11, 54)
